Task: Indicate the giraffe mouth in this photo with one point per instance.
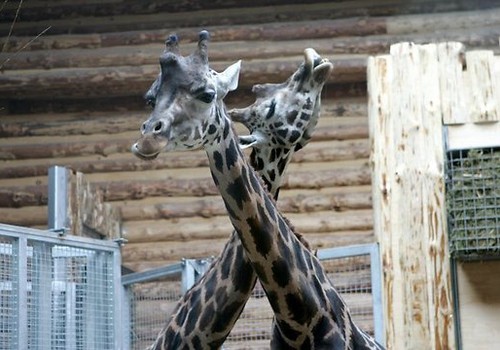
(320, 68)
(148, 147)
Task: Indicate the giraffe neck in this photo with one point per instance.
(307, 308)
(268, 240)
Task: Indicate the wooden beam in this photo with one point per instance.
(126, 188)
(408, 196)
(273, 31)
(206, 18)
(113, 122)
(130, 80)
(473, 135)
(88, 214)
(206, 228)
(122, 160)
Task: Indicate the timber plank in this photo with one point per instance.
(33, 191)
(205, 18)
(144, 255)
(88, 122)
(320, 151)
(128, 80)
(147, 54)
(197, 228)
(290, 201)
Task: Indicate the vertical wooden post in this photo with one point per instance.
(78, 207)
(408, 194)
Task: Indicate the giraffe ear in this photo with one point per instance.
(251, 140)
(228, 80)
(262, 90)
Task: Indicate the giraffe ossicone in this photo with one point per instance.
(189, 114)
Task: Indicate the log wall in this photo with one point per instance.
(73, 97)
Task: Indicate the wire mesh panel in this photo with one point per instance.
(151, 305)
(253, 328)
(473, 198)
(351, 277)
(351, 270)
(8, 300)
(56, 293)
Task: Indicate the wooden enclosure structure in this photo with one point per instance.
(73, 96)
(421, 97)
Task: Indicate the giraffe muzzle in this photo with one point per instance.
(148, 147)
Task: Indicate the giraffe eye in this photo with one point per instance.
(206, 96)
(151, 101)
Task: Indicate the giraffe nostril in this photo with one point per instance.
(158, 127)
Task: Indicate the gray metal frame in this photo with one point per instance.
(371, 249)
(57, 199)
(190, 270)
(20, 248)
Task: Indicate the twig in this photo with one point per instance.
(3, 5)
(12, 25)
(23, 47)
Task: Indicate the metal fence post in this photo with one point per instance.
(192, 271)
(57, 199)
(20, 248)
(378, 307)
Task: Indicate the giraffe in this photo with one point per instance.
(281, 120)
(189, 114)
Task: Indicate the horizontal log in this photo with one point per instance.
(346, 26)
(348, 176)
(293, 202)
(272, 31)
(239, 98)
(472, 38)
(19, 196)
(129, 80)
(79, 123)
(451, 20)
(170, 251)
(321, 151)
(167, 174)
(25, 216)
(141, 256)
(193, 19)
(147, 54)
(38, 10)
(196, 228)
(88, 122)
(89, 142)
(180, 230)
(317, 241)
(65, 147)
(140, 55)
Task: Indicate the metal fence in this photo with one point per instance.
(58, 292)
(152, 295)
(473, 199)
(354, 270)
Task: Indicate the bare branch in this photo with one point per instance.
(23, 47)
(12, 25)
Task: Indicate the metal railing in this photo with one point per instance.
(354, 270)
(58, 292)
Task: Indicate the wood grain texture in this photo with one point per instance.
(408, 196)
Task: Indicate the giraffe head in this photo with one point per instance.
(183, 96)
(285, 114)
